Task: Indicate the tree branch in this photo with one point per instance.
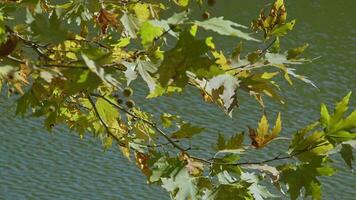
(104, 123)
(153, 125)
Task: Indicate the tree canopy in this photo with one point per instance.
(72, 62)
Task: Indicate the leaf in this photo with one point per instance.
(281, 61)
(2, 28)
(167, 119)
(173, 21)
(187, 131)
(278, 126)
(346, 154)
(324, 116)
(275, 21)
(145, 68)
(229, 191)
(224, 27)
(148, 33)
(78, 11)
(262, 135)
(182, 3)
(305, 176)
(105, 19)
(107, 112)
(298, 136)
(259, 192)
(272, 171)
(130, 24)
(142, 11)
(224, 86)
(181, 186)
(194, 167)
(310, 146)
(99, 71)
(294, 53)
(45, 28)
(339, 129)
(340, 108)
(189, 54)
(130, 72)
(234, 143)
(284, 29)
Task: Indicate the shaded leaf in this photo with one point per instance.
(187, 131)
(346, 154)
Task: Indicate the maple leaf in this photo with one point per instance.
(105, 19)
(262, 135)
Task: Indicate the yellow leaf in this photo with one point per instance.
(268, 75)
(182, 2)
(263, 126)
(278, 126)
(262, 135)
(142, 11)
(126, 152)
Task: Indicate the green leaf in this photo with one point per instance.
(283, 29)
(350, 121)
(167, 119)
(81, 80)
(316, 142)
(224, 27)
(294, 53)
(99, 71)
(234, 143)
(187, 131)
(45, 28)
(340, 108)
(299, 136)
(172, 22)
(278, 126)
(346, 154)
(230, 191)
(2, 28)
(181, 186)
(182, 2)
(189, 54)
(148, 33)
(305, 176)
(107, 112)
(259, 192)
(325, 117)
(78, 11)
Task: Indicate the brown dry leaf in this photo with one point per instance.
(142, 162)
(105, 19)
(9, 45)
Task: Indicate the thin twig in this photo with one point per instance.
(259, 57)
(153, 125)
(104, 123)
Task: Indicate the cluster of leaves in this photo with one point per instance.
(72, 63)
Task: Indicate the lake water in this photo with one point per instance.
(37, 165)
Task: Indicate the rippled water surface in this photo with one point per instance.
(38, 165)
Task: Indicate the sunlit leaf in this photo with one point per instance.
(224, 27)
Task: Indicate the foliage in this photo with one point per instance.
(72, 63)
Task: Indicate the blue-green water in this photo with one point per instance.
(38, 165)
